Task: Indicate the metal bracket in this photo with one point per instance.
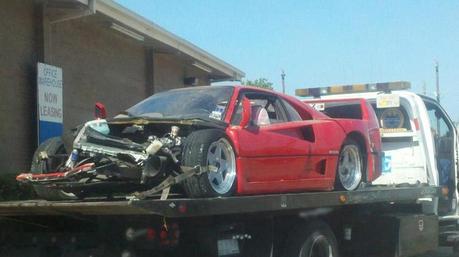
(170, 181)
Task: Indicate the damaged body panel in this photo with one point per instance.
(102, 157)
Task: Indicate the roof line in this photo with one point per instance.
(150, 29)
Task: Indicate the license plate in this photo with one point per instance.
(227, 247)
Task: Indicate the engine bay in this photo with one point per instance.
(131, 155)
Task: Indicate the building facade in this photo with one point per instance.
(107, 54)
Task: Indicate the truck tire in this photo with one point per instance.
(314, 239)
(51, 147)
(210, 147)
(350, 169)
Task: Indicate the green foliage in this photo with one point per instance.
(261, 82)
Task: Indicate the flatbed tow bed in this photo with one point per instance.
(372, 221)
(185, 207)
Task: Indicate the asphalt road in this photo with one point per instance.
(441, 252)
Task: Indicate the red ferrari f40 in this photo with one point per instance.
(212, 141)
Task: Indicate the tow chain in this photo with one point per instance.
(170, 181)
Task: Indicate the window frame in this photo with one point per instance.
(282, 110)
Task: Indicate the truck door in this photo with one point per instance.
(445, 141)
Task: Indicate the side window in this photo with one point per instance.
(266, 109)
(346, 110)
(393, 119)
(438, 124)
(293, 115)
(442, 135)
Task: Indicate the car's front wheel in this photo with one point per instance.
(210, 148)
(54, 150)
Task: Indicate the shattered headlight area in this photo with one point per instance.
(119, 158)
(144, 161)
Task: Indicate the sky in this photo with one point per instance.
(322, 43)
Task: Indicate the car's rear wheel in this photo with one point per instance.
(350, 166)
(210, 148)
(54, 149)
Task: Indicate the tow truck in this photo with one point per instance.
(409, 210)
(419, 140)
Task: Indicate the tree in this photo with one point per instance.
(261, 82)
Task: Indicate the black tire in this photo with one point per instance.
(195, 152)
(51, 147)
(314, 239)
(355, 177)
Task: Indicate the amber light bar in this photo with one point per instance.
(354, 88)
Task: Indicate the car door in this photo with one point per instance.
(283, 154)
(444, 135)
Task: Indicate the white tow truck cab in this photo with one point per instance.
(419, 140)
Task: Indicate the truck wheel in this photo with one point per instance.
(315, 239)
(210, 147)
(350, 166)
(52, 146)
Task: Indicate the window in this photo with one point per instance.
(185, 103)
(262, 103)
(438, 123)
(346, 110)
(393, 119)
(293, 115)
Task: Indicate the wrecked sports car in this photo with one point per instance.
(208, 142)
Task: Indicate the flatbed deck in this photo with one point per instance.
(185, 207)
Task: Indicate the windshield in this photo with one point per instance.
(199, 102)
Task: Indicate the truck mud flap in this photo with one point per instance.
(397, 235)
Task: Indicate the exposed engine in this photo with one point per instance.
(136, 155)
(129, 159)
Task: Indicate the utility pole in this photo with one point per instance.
(283, 81)
(437, 82)
(424, 88)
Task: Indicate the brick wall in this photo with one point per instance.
(98, 63)
(170, 72)
(18, 56)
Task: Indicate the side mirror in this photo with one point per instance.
(246, 112)
(99, 111)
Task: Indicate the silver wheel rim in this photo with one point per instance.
(320, 247)
(350, 167)
(221, 156)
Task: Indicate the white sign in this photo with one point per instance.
(318, 106)
(49, 89)
(387, 101)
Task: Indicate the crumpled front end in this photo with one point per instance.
(117, 157)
